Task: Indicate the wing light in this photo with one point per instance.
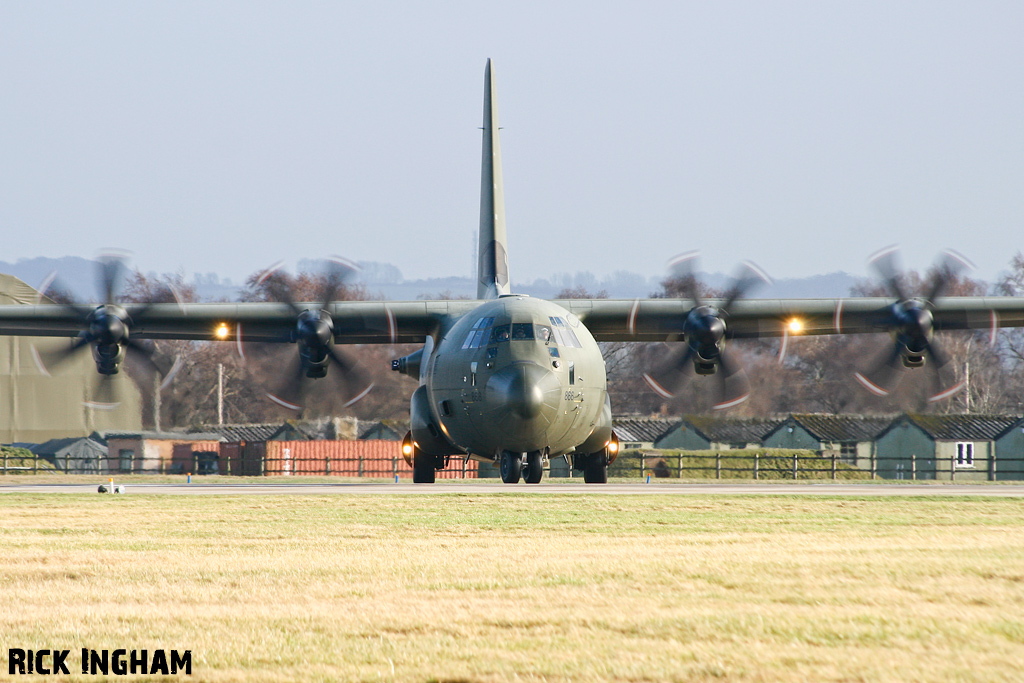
(795, 326)
(222, 332)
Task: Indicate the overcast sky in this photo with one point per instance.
(221, 136)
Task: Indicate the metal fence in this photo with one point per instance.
(758, 464)
(762, 464)
(202, 464)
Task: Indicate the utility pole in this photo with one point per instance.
(156, 402)
(220, 394)
(967, 384)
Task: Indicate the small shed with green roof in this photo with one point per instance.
(705, 432)
(850, 437)
(1009, 465)
(943, 447)
(641, 433)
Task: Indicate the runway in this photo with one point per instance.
(488, 488)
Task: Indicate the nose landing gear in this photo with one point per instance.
(513, 467)
(534, 468)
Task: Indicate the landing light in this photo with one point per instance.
(407, 448)
(222, 331)
(795, 326)
(613, 446)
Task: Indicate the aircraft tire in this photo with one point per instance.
(511, 466)
(534, 470)
(595, 471)
(423, 467)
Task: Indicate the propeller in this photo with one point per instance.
(313, 334)
(911, 323)
(704, 332)
(106, 328)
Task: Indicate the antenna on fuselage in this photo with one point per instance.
(492, 267)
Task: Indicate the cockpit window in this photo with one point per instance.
(563, 335)
(478, 334)
(543, 333)
(499, 334)
(522, 330)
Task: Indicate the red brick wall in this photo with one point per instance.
(376, 459)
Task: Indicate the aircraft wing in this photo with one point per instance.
(658, 319)
(385, 322)
(355, 322)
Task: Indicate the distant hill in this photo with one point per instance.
(79, 276)
(834, 285)
(831, 286)
(76, 274)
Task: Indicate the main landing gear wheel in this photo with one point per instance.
(423, 467)
(595, 471)
(511, 467)
(534, 468)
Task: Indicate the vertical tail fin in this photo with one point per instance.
(492, 271)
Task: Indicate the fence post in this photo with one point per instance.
(466, 460)
(394, 465)
(757, 463)
(679, 464)
(5, 462)
(833, 465)
(360, 467)
(991, 462)
(913, 467)
(718, 465)
(327, 465)
(794, 466)
(35, 464)
(643, 464)
(874, 463)
(952, 467)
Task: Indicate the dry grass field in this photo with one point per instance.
(524, 587)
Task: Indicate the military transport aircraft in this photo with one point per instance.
(515, 380)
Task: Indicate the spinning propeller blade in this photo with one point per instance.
(296, 374)
(106, 328)
(911, 324)
(704, 332)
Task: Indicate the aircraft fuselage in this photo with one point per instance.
(521, 375)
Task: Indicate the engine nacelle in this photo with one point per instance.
(314, 334)
(108, 357)
(704, 331)
(702, 367)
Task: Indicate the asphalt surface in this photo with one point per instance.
(485, 488)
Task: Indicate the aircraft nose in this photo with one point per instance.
(524, 389)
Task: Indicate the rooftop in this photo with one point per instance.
(642, 429)
(245, 432)
(733, 429)
(967, 427)
(842, 427)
